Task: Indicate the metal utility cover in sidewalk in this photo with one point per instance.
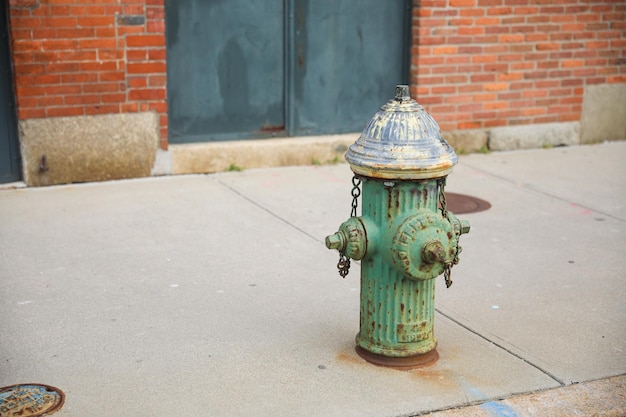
(30, 400)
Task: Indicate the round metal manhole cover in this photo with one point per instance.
(30, 400)
(463, 204)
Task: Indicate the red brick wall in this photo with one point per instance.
(485, 63)
(475, 63)
(81, 57)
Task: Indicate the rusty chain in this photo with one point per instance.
(344, 262)
(447, 268)
(441, 183)
(356, 193)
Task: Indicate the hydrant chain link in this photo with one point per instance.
(441, 185)
(447, 271)
(343, 266)
(356, 192)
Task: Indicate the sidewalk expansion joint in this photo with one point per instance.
(265, 209)
(510, 352)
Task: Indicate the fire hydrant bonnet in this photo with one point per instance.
(401, 141)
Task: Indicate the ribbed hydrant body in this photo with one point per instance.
(405, 237)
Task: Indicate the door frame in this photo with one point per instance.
(7, 83)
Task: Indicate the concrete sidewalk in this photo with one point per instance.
(215, 295)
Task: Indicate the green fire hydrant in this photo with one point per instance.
(405, 236)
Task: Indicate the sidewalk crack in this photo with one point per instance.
(510, 352)
(265, 209)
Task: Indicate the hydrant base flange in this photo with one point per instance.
(402, 363)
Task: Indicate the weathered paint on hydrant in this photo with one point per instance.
(405, 237)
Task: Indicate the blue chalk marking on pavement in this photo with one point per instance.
(498, 410)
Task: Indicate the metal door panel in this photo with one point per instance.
(225, 69)
(239, 69)
(349, 56)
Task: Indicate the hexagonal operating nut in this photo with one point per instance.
(433, 251)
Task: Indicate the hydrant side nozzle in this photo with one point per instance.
(465, 227)
(461, 227)
(335, 241)
(350, 240)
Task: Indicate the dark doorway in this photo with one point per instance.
(10, 166)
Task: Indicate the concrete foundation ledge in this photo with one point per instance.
(604, 113)
(199, 158)
(64, 150)
(534, 136)
(602, 398)
(467, 141)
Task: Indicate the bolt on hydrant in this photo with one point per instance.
(405, 236)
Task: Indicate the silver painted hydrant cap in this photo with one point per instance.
(401, 141)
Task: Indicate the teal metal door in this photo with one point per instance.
(10, 166)
(225, 69)
(348, 55)
(239, 69)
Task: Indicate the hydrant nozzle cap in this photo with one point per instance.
(335, 241)
(401, 141)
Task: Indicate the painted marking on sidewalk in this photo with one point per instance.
(496, 409)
